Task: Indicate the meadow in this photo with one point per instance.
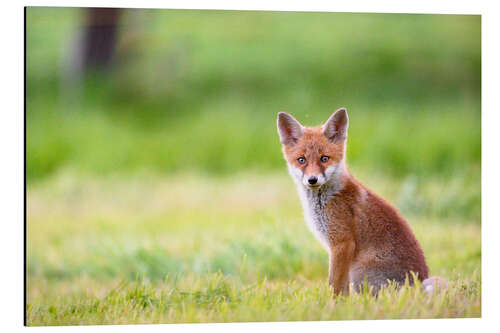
(161, 250)
(157, 191)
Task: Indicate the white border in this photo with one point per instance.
(421, 6)
(11, 132)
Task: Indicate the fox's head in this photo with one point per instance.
(314, 155)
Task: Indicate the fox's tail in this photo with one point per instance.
(434, 283)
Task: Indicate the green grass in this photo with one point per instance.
(200, 90)
(199, 249)
(428, 143)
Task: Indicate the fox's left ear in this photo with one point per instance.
(335, 128)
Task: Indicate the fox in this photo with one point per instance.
(367, 239)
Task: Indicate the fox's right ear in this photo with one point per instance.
(289, 129)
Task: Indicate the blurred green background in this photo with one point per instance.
(199, 91)
(156, 186)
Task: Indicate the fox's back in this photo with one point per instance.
(384, 237)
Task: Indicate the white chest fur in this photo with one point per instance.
(313, 203)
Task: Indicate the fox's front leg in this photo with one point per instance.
(341, 256)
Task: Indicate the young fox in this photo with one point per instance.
(366, 238)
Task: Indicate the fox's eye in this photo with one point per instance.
(324, 159)
(301, 160)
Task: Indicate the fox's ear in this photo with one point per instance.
(335, 128)
(289, 129)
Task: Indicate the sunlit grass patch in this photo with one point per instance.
(218, 298)
(197, 249)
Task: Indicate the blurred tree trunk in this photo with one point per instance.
(100, 37)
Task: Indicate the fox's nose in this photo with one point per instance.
(312, 180)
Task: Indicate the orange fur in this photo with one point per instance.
(313, 145)
(366, 237)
